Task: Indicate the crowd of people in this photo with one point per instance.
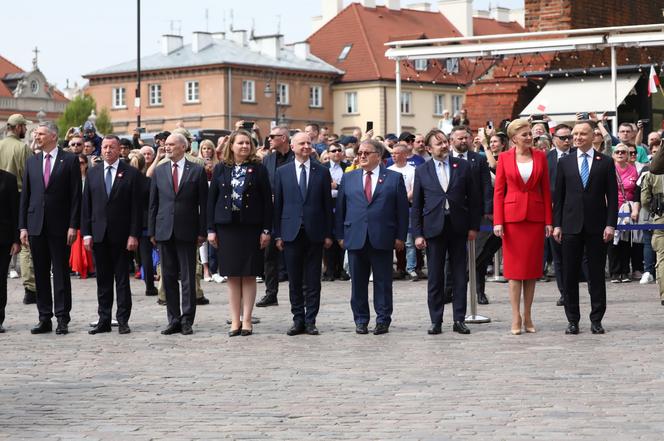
(309, 206)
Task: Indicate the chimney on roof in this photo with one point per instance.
(395, 5)
(200, 41)
(239, 36)
(459, 13)
(301, 50)
(519, 16)
(500, 13)
(330, 9)
(269, 45)
(424, 6)
(369, 3)
(170, 43)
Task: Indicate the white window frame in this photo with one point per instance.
(438, 104)
(282, 94)
(316, 96)
(344, 52)
(457, 104)
(155, 97)
(351, 102)
(119, 98)
(452, 65)
(406, 102)
(421, 65)
(248, 91)
(192, 91)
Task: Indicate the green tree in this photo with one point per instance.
(76, 113)
(104, 122)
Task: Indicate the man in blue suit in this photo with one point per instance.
(446, 211)
(302, 227)
(371, 221)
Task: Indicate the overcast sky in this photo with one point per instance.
(75, 37)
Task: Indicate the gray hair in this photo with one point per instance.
(50, 126)
(377, 145)
(181, 138)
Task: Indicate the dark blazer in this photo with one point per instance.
(480, 168)
(291, 211)
(181, 216)
(257, 205)
(9, 232)
(591, 209)
(59, 203)
(270, 163)
(144, 192)
(428, 211)
(552, 160)
(381, 221)
(117, 216)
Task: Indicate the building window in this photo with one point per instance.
(344, 52)
(351, 102)
(452, 65)
(155, 95)
(119, 100)
(456, 104)
(438, 104)
(282, 94)
(316, 96)
(191, 94)
(248, 91)
(406, 101)
(421, 65)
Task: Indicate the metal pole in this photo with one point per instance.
(472, 288)
(614, 89)
(497, 262)
(276, 101)
(397, 129)
(137, 103)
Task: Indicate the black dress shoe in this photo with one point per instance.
(161, 302)
(296, 329)
(186, 329)
(2, 330)
(596, 328)
(461, 328)
(344, 276)
(62, 329)
(327, 279)
(42, 327)
(30, 297)
(381, 328)
(246, 332)
(561, 301)
(172, 329)
(481, 299)
(361, 329)
(151, 291)
(572, 328)
(202, 301)
(436, 328)
(124, 328)
(267, 300)
(312, 329)
(100, 329)
(235, 332)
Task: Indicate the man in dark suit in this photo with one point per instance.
(49, 216)
(302, 227)
(333, 257)
(562, 142)
(446, 211)
(177, 222)
(371, 221)
(9, 236)
(585, 213)
(281, 155)
(111, 218)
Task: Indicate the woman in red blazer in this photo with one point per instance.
(522, 218)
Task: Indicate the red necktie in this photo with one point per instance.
(367, 186)
(175, 177)
(47, 170)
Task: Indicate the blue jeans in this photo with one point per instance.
(648, 253)
(411, 253)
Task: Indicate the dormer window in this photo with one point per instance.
(344, 52)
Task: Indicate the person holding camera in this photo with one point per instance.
(652, 199)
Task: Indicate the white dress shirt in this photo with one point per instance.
(579, 158)
(180, 164)
(374, 178)
(298, 170)
(560, 153)
(337, 173)
(54, 156)
(114, 170)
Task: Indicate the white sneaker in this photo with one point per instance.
(646, 278)
(207, 279)
(224, 279)
(13, 274)
(217, 278)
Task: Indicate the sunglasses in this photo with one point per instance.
(75, 144)
(335, 150)
(564, 138)
(274, 136)
(365, 153)
(620, 152)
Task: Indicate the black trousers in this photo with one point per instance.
(145, 251)
(573, 249)
(557, 255)
(619, 256)
(179, 258)
(52, 252)
(334, 260)
(303, 262)
(483, 259)
(111, 260)
(271, 269)
(4, 266)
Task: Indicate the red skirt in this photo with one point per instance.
(80, 260)
(523, 250)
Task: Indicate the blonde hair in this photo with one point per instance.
(137, 160)
(210, 144)
(517, 125)
(228, 158)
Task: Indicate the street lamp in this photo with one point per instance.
(268, 92)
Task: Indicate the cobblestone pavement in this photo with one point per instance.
(339, 385)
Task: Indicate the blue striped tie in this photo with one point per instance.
(585, 170)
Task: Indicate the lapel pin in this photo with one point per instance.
(120, 175)
(380, 181)
(250, 170)
(455, 165)
(598, 158)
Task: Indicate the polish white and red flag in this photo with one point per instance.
(653, 81)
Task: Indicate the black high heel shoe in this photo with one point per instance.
(246, 332)
(235, 332)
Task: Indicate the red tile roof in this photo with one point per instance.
(490, 26)
(7, 67)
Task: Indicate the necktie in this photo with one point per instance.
(444, 182)
(585, 170)
(175, 177)
(108, 180)
(47, 169)
(303, 181)
(367, 186)
(461, 156)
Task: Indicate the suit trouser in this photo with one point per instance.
(5, 257)
(453, 245)
(178, 257)
(658, 247)
(145, 251)
(52, 251)
(303, 262)
(27, 269)
(271, 269)
(111, 260)
(483, 259)
(557, 254)
(334, 260)
(573, 254)
(362, 262)
(199, 274)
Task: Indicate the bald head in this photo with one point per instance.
(301, 145)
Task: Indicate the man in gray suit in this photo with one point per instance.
(178, 203)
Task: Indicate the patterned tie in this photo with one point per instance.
(108, 180)
(367, 186)
(175, 177)
(585, 170)
(47, 169)
(303, 181)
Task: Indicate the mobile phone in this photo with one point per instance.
(537, 117)
(248, 125)
(369, 126)
(584, 115)
(489, 124)
(643, 121)
(140, 129)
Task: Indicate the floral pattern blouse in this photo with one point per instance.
(238, 176)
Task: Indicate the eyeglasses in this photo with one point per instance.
(365, 153)
(620, 152)
(334, 150)
(564, 138)
(75, 144)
